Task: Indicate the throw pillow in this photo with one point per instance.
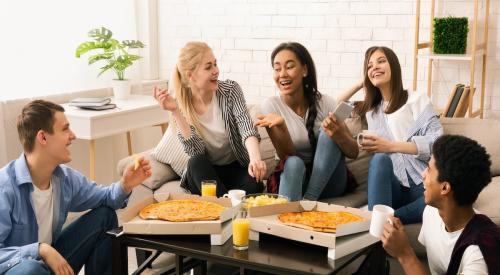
(170, 151)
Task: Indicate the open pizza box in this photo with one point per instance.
(348, 238)
(219, 230)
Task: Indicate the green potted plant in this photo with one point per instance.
(450, 35)
(113, 54)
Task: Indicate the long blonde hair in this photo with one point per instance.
(190, 58)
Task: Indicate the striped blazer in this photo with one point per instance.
(424, 130)
(237, 121)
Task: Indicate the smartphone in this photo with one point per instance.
(343, 111)
(116, 231)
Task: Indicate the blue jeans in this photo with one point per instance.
(83, 242)
(328, 176)
(385, 188)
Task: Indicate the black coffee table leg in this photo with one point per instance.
(179, 265)
(200, 268)
(120, 257)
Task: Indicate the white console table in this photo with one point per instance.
(133, 113)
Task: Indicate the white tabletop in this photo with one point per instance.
(135, 112)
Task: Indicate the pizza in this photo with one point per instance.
(182, 211)
(318, 220)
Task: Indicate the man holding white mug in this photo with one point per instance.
(457, 240)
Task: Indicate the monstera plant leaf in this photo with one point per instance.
(101, 35)
(111, 51)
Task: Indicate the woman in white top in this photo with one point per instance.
(214, 125)
(405, 126)
(314, 163)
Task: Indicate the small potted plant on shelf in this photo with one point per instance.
(450, 35)
(115, 56)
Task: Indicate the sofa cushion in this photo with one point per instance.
(487, 202)
(171, 187)
(479, 130)
(357, 199)
(161, 172)
(170, 151)
(358, 166)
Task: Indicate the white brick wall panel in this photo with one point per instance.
(283, 21)
(376, 20)
(325, 33)
(356, 34)
(397, 7)
(311, 21)
(336, 32)
(365, 7)
(388, 34)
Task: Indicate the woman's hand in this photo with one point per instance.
(333, 128)
(376, 144)
(257, 169)
(166, 101)
(270, 120)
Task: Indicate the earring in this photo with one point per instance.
(304, 75)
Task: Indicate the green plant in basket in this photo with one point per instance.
(450, 35)
(113, 53)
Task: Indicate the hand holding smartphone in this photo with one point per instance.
(343, 111)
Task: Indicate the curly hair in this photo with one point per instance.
(464, 164)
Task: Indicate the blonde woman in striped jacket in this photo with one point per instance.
(213, 124)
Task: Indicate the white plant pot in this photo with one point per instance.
(122, 88)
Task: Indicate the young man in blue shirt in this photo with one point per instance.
(37, 191)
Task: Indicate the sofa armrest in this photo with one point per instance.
(161, 172)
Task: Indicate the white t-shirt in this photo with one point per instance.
(296, 124)
(439, 244)
(401, 120)
(43, 204)
(214, 134)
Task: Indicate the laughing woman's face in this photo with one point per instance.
(206, 74)
(288, 72)
(379, 70)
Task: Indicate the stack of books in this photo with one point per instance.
(93, 103)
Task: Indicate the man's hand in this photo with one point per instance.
(133, 177)
(257, 169)
(270, 120)
(395, 242)
(54, 260)
(394, 239)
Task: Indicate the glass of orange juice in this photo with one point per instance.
(241, 230)
(209, 188)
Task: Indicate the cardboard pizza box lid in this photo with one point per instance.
(133, 224)
(265, 219)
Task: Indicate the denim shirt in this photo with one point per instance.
(73, 192)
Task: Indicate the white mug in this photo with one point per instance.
(380, 216)
(235, 195)
(361, 136)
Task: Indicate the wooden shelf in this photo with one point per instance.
(462, 57)
(476, 48)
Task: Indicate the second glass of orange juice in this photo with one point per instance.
(241, 230)
(209, 188)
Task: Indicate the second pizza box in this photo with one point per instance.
(220, 230)
(264, 219)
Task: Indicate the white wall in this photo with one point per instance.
(336, 32)
(39, 39)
